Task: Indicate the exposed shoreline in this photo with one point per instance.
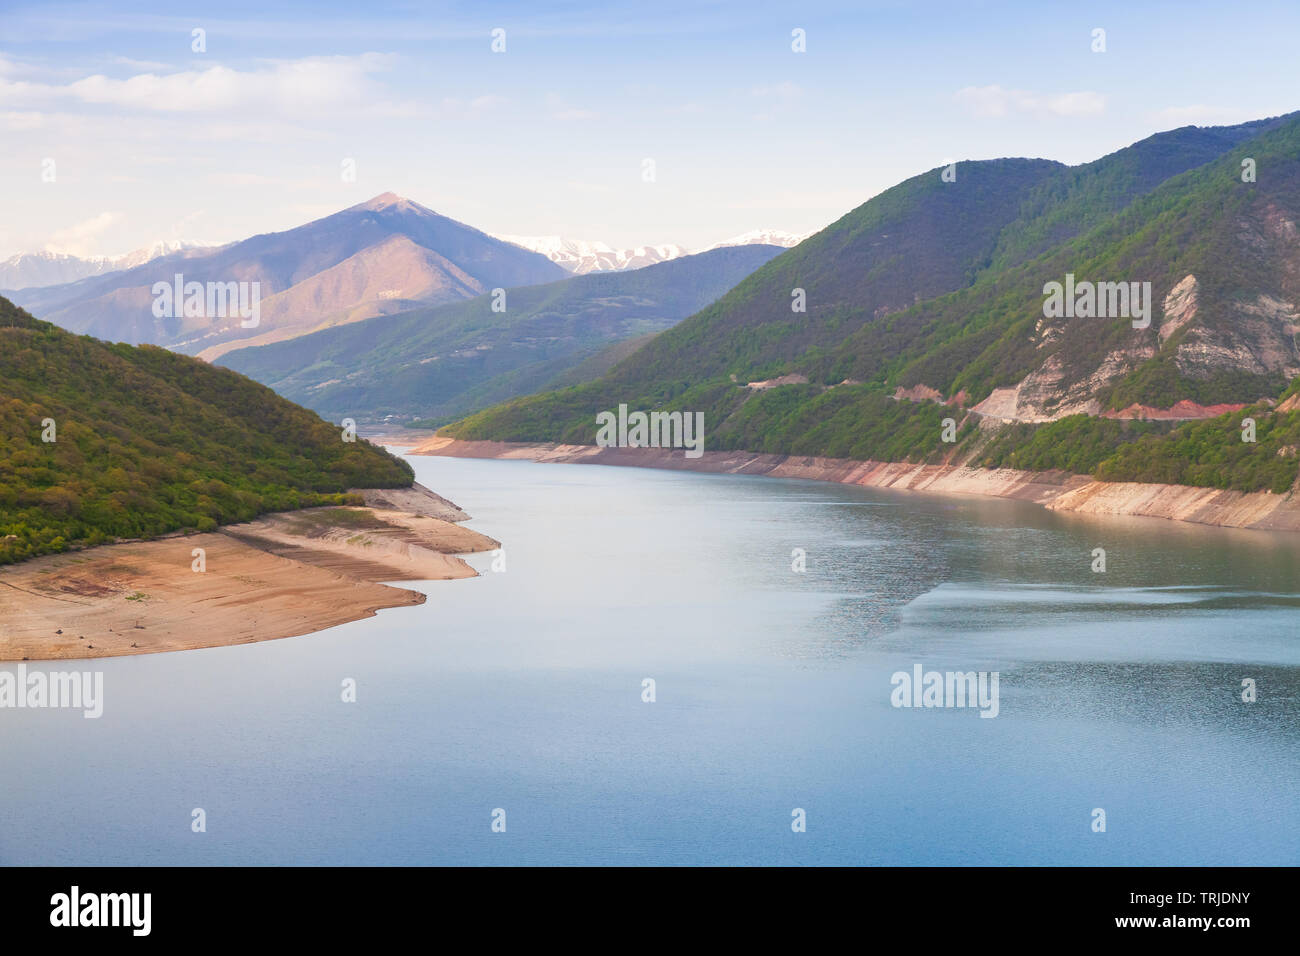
(282, 575)
(1056, 490)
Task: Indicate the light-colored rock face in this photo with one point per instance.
(1001, 403)
(1256, 336)
(1179, 307)
(918, 393)
(1045, 395)
(775, 382)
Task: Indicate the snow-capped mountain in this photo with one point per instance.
(35, 270)
(761, 237)
(163, 247)
(581, 256)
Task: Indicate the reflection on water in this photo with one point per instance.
(522, 690)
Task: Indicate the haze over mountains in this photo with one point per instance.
(381, 256)
(930, 299)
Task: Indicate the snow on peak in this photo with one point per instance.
(766, 237)
(162, 247)
(30, 270)
(581, 256)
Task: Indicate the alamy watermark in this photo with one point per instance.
(651, 430)
(946, 689)
(1100, 300)
(133, 911)
(212, 300)
(82, 690)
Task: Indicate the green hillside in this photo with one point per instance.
(441, 363)
(148, 442)
(915, 242)
(1233, 243)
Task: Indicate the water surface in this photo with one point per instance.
(522, 690)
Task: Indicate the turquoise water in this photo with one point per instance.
(522, 690)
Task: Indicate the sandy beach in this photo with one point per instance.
(279, 576)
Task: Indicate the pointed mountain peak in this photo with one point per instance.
(388, 201)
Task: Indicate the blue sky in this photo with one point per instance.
(151, 140)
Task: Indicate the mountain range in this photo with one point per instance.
(930, 301)
(29, 270)
(448, 360)
(581, 256)
(927, 325)
(381, 257)
(385, 255)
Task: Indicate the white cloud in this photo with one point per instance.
(1084, 103)
(313, 84)
(995, 100)
(148, 66)
(18, 121)
(80, 239)
(560, 110)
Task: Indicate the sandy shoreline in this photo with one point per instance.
(282, 575)
(397, 437)
(1059, 491)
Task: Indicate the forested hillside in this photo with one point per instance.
(1221, 252)
(146, 442)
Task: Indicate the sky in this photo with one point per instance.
(120, 128)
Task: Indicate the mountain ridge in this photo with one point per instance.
(429, 361)
(30, 270)
(1221, 255)
(583, 256)
(101, 442)
(118, 306)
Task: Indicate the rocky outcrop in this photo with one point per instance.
(1256, 336)
(918, 393)
(1179, 307)
(1185, 410)
(775, 382)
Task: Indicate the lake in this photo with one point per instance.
(522, 690)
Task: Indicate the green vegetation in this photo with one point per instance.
(850, 421)
(444, 362)
(1078, 443)
(1211, 454)
(150, 442)
(941, 284)
(861, 423)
